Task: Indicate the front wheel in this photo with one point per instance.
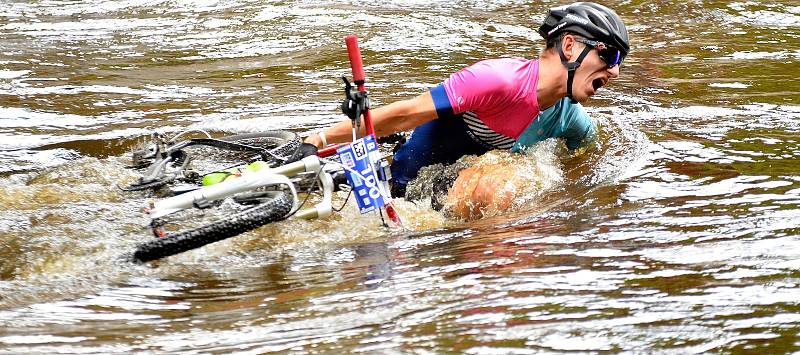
(274, 206)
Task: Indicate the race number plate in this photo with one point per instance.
(360, 156)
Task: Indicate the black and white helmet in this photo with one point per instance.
(593, 21)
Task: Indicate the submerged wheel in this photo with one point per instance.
(205, 156)
(274, 206)
(280, 143)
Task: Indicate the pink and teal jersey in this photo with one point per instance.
(496, 98)
(489, 105)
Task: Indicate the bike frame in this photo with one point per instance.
(248, 182)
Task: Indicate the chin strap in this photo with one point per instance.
(571, 67)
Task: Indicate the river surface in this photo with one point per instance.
(678, 232)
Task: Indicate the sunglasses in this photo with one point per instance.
(608, 54)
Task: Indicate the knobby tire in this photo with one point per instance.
(270, 211)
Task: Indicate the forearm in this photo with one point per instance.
(338, 133)
(396, 117)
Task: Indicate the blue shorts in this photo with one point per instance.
(442, 140)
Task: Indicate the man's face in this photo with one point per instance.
(593, 73)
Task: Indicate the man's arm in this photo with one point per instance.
(396, 117)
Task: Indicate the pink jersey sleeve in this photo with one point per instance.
(501, 92)
(479, 86)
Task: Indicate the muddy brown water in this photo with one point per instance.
(677, 233)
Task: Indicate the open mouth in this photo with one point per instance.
(597, 83)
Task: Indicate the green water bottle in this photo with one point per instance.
(232, 173)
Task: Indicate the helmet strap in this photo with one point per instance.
(572, 67)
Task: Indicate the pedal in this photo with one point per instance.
(157, 227)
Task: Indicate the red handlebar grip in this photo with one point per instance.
(355, 58)
(328, 151)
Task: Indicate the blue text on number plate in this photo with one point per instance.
(361, 156)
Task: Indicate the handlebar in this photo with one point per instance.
(359, 78)
(356, 64)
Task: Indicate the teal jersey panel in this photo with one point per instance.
(562, 120)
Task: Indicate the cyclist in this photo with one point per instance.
(505, 103)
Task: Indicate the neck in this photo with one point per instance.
(552, 83)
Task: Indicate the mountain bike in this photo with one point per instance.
(246, 197)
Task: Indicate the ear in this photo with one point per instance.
(568, 46)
